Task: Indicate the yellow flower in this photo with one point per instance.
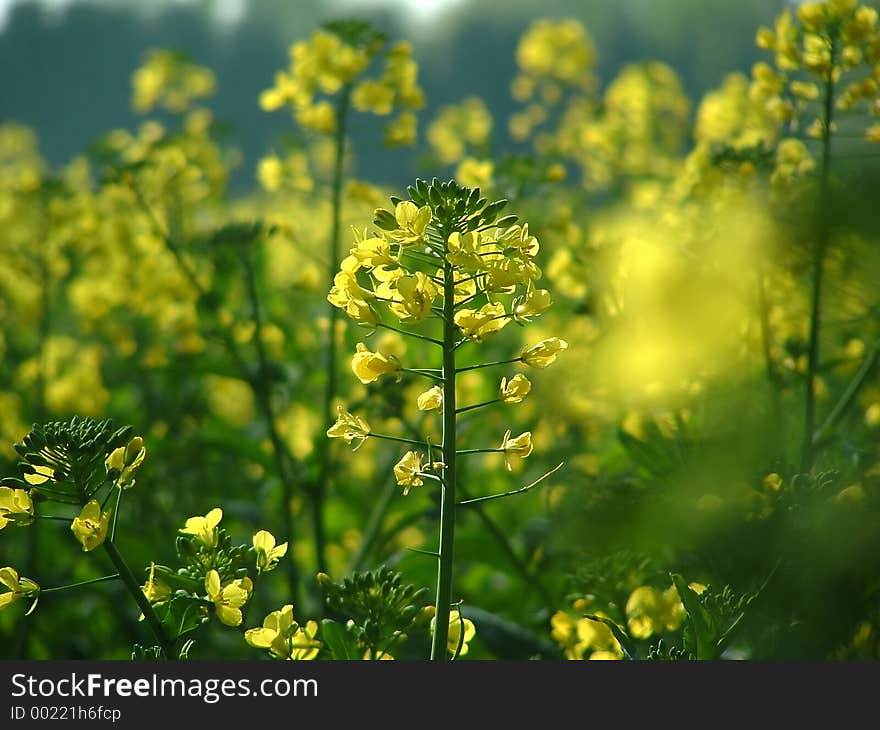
(369, 366)
(347, 294)
(406, 471)
(456, 625)
(16, 507)
(402, 131)
(373, 96)
(650, 611)
(412, 222)
(284, 637)
(544, 353)
(90, 527)
(41, 475)
(475, 324)
(229, 599)
(535, 302)
(125, 461)
(412, 295)
(515, 389)
(204, 528)
(319, 117)
(349, 427)
(270, 173)
(431, 399)
(475, 173)
(576, 636)
(18, 588)
(268, 554)
(154, 589)
(371, 251)
(520, 446)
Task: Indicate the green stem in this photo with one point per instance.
(465, 409)
(819, 250)
(487, 364)
(319, 490)
(131, 583)
(116, 513)
(852, 390)
(262, 391)
(399, 439)
(405, 332)
(430, 376)
(447, 501)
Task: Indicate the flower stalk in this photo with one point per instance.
(447, 488)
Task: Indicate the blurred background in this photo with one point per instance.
(70, 61)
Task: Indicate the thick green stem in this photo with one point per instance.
(319, 491)
(447, 502)
(819, 250)
(143, 603)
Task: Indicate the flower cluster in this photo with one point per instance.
(336, 59)
(169, 80)
(827, 45)
(403, 270)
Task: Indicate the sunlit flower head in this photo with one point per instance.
(204, 529)
(370, 366)
(520, 446)
(228, 599)
(268, 553)
(284, 637)
(544, 353)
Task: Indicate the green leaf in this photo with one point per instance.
(699, 637)
(181, 615)
(341, 644)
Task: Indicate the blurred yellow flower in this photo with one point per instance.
(544, 353)
(16, 507)
(651, 611)
(19, 587)
(461, 631)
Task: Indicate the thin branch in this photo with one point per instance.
(488, 365)
(515, 491)
(81, 583)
